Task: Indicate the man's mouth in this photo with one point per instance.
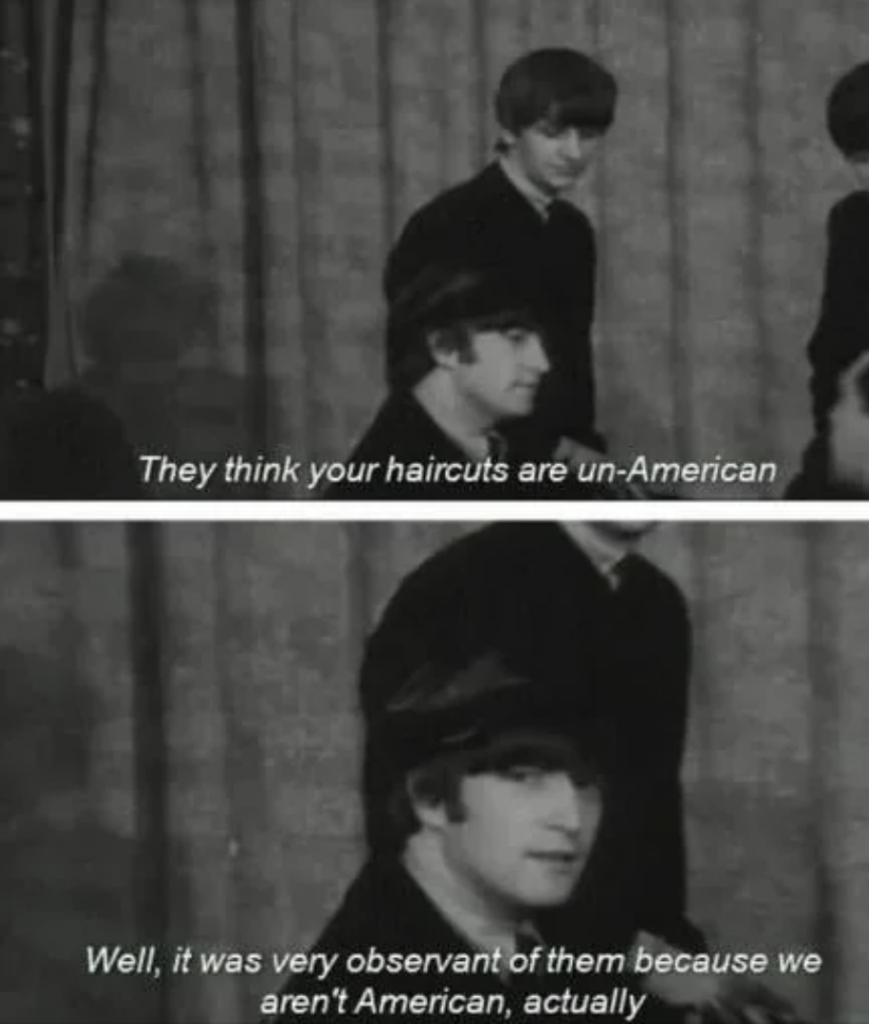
(572, 171)
(557, 858)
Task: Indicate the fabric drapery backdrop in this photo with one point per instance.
(272, 150)
(24, 249)
(179, 748)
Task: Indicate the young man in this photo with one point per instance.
(552, 106)
(587, 618)
(493, 805)
(469, 359)
(842, 331)
(583, 613)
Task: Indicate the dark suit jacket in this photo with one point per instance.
(385, 909)
(403, 433)
(486, 222)
(840, 337)
(625, 656)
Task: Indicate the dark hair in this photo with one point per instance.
(448, 305)
(848, 111)
(560, 86)
(439, 779)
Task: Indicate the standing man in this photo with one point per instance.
(841, 334)
(552, 106)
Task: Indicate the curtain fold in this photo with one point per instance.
(55, 27)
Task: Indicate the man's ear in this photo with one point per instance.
(442, 349)
(429, 810)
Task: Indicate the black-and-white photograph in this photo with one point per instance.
(607, 770)
(428, 249)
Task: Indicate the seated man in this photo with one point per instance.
(849, 433)
(494, 806)
(472, 358)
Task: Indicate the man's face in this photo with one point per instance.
(849, 431)
(498, 377)
(552, 158)
(524, 838)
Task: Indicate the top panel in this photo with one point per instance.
(434, 250)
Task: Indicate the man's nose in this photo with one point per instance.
(572, 809)
(575, 144)
(535, 354)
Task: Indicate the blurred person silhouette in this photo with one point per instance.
(146, 331)
(63, 445)
(67, 876)
(841, 334)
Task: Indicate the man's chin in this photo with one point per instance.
(560, 184)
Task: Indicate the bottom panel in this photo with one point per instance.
(646, 743)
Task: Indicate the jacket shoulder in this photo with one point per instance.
(850, 214)
(456, 200)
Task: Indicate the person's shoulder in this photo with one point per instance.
(479, 569)
(400, 433)
(64, 444)
(575, 214)
(851, 212)
(478, 553)
(668, 595)
(368, 449)
(456, 199)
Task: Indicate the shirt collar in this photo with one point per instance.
(481, 932)
(606, 559)
(475, 445)
(541, 202)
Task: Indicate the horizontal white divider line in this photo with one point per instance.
(271, 510)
